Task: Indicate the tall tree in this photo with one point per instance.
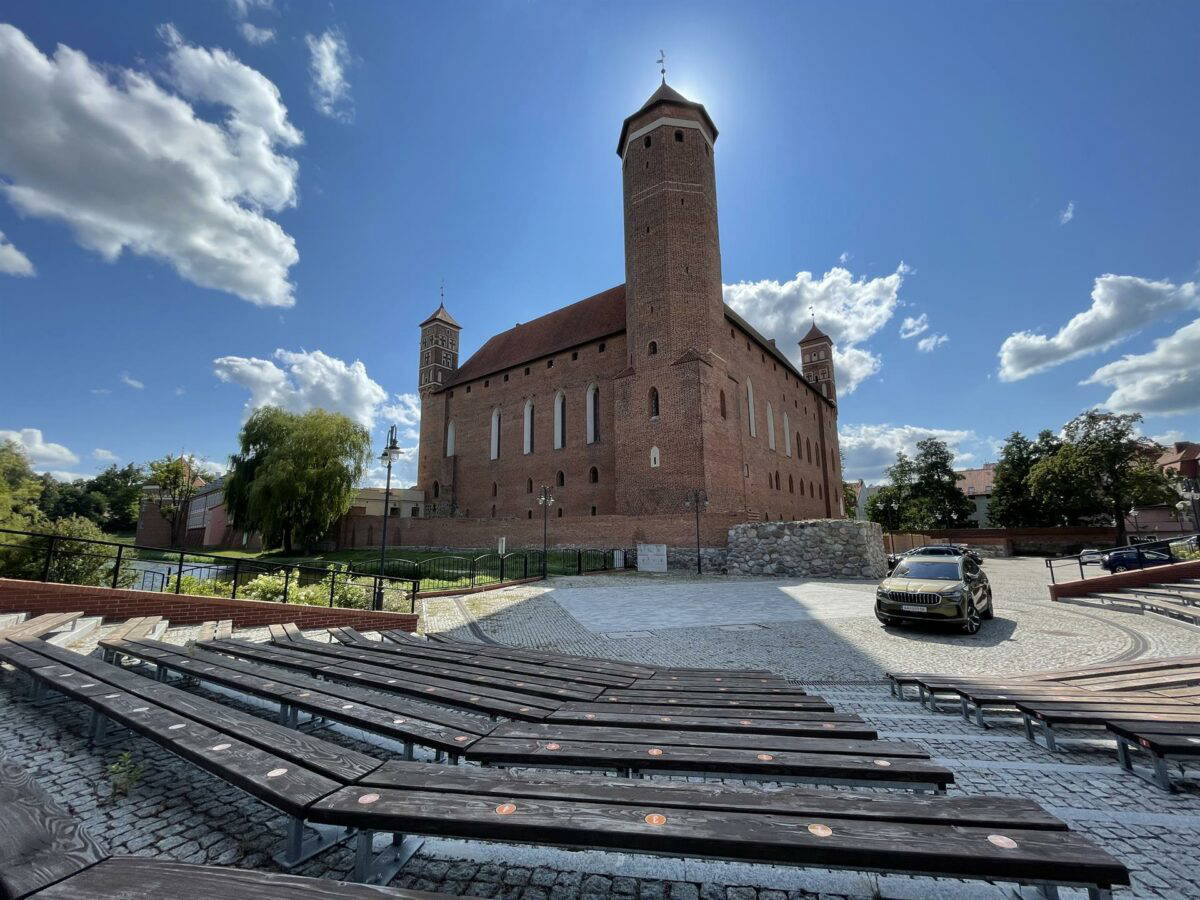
(936, 501)
(177, 479)
(19, 489)
(1012, 504)
(295, 474)
(121, 488)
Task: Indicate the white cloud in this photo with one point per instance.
(40, 452)
(104, 455)
(243, 8)
(931, 343)
(13, 261)
(100, 391)
(405, 412)
(850, 311)
(1067, 214)
(129, 165)
(911, 327)
(844, 257)
(255, 35)
(870, 449)
(132, 382)
(1164, 381)
(306, 380)
(329, 55)
(1167, 438)
(1121, 304)
(179, 391)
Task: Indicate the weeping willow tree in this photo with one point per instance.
(295, 474)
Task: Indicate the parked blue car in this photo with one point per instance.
(1129, 558)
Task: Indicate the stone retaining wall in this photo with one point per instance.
(839, 548)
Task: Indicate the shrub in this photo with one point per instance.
(203, 587)
(74, 561)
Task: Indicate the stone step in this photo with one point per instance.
(75, 632)
(7, 620)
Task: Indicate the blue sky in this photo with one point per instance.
(215, 204)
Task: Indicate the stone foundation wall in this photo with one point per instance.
(837, 548)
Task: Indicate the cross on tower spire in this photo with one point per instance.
(662, 62)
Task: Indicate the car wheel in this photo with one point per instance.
(990, 612)
(973, 622)
(1116, 569)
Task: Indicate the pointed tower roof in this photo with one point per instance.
(440, 315)
(814, 334)
(665, 95)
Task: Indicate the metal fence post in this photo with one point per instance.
(179, 573)
(237, 565)
(472, 571)
(117, 566)
(49, 557)
(578, 562)
(332, 581)
(287, 577)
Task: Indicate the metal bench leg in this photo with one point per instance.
(1161, 776)
(380, 868)
(1028, 722)
(1048, 734)
(439, 756)
(408, 750)
(297, 849)
(284, 713)
(1123, 755)
(1049, 891)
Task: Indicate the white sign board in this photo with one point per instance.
(652, 557)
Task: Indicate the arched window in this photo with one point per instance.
(787, 436)
(528, 426)
(653, 348)
(592, 404)
(560, 512)
(801, 487)
(594, 475)
(799, 445)
(654, 458)
(750, 408)
(777, 480)
(437, 489)
(722, 404)
(791, 485)
(653, 403)
(770, 427)
(529, 486)
(560, 479)
(560, 420)
(496, 433)
(808, 449)
(450, 439)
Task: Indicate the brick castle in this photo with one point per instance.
(625, 402)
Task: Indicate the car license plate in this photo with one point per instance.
(912, 607)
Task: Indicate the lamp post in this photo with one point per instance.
(545, 500)
(1135, 515)
(1181, 509)
(390, 454)
(697, 500)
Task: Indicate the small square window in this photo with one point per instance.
(506, 376)
(574, 355)
(600, 349)
(527, 370)
(549, 364)
(468, 389)
(486, 382)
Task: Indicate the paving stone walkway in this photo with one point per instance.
(176, 811)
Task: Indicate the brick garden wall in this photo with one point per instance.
(35, 598)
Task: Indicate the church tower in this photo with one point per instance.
(674, 306)
(439, 350)
(816, 359)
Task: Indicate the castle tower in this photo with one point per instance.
(816, 360)
(439, 349)
(674, 305)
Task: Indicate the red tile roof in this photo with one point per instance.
(1180, 451)
(976, 482)
(587, 320)
(665, 95)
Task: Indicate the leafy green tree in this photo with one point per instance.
(75, 560)
(885, 506)
(1065, 489)
(935, 500)
(177, 479)
(64, 499)
(20, 489)
(1014, 503)
(295, 474)
(121, 488)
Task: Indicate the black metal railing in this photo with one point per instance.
(1141, 552)
(88, 561)
(51, 557)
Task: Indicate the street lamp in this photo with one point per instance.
(390, 454)
(1135, 515)
(1181, 509)
(545, 500)
(697, 500)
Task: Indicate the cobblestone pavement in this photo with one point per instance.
(176, 811)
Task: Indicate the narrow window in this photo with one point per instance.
(654, 460)
(437, 488)
(494, 489)
(450, 439)
(560, 512)
(791, 485)
(594, 475)
(653, 348)
(653, 404)
(787, 436)
(529, 513)
(770, 427)
(496, 433)
(560, 479)
(528, 428)
(593, 510)
(592, 404)
(808, 449)
(750, 407)
(600, 349)
(679, 135)
(560, 420)
(529, 486)
(777, 480)
(722, 404)
(646, 142)
(493, 510)
(574, 355)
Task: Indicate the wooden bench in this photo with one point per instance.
(1162, 741)
(988, 838)
(47, 854)
(975, 701)
(38, 625)
(284, 768)
(792, 701)
(376, 713)
(1049, 715)
(876, 769)
(814, 724)
(487, 700)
